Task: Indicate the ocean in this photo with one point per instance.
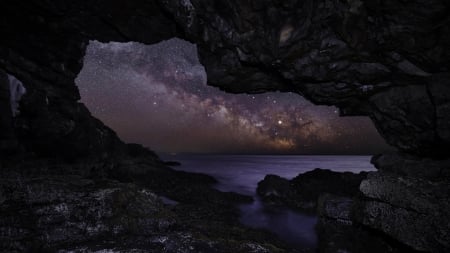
(241, 174)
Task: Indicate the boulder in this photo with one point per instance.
(404, 205)
(303, 191)
(61, 207)
(337, 232)
(407, 202)
(388, 61)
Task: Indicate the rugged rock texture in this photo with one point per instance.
(43, 44)
(339, 233)
(6, 124)
(411, 207)
(404, 206)
(350, 221)
(303, 191)
(411, 166)
(385, 59)
(56, 207)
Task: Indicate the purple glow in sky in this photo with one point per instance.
(157, 96)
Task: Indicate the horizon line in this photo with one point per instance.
(268, 154)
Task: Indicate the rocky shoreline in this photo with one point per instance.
(332, 196)
(399, 208)
(117, 206)
(389, 62)
(121, 206)
(303, 191)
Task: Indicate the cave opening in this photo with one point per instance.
(69, 184)
(157, 96)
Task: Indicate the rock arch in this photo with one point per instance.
(388, 60)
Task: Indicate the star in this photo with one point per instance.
(157, 95)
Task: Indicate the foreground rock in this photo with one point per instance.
(60, 207)
(402, 208)
(407, 202)
(390, 63)
(337, 231)
(399, 208)
(303, 191)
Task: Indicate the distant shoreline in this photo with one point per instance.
(231, 154)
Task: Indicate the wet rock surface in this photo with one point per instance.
(396, 209)
(64, 210)
(303, 191)
(407, 205)
(401, 208)
(388, 60)
(338, 232)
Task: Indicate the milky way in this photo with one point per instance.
(157, 96)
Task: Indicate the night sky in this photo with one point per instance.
(157, 96)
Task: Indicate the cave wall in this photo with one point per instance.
(42, 45)
(389, 60)
(6, 125)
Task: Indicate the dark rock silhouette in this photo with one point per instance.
(6, 124)
(406, 203)
(303, 191)
(387, 60)
(338, 232)
(117, 206)
(406, 200)
(172, 163)
(367, 60)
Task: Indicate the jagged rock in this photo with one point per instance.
(411, 210)
(412, 166)
(388, 60)
(408, 199)
(274, 188)
(49, 209)
(364, 59)
(6, 125)
(62, 211)
(335, 207)
(52, 122)
(172, 163)
(414, 108)
(402, 205)
(303, 191)
(338, 232)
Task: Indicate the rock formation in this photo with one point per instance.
(304, 190)
(117, 206)
(409, 201)
(388, 60)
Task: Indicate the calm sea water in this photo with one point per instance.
(241, 174)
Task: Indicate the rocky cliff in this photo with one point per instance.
(389, 60)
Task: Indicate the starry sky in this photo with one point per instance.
(157, 96)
